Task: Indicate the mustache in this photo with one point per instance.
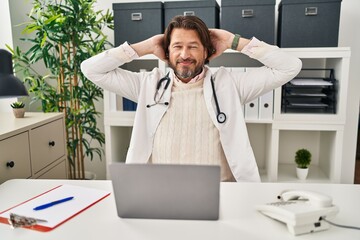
(185, 60)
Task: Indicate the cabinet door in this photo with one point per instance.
(15, 157)
(47, 144)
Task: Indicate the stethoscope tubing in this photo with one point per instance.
(220, 117)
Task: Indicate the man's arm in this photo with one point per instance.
(152, 45)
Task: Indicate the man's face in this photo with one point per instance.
(186, 54)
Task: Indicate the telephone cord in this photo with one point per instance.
(339, 225)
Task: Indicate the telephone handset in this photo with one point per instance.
(302, 211)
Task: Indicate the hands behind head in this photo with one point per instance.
(158, 47)
(221, 40)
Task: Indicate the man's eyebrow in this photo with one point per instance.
(189, 43)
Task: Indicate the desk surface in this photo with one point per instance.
(238, 217)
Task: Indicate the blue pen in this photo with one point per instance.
(50, 204)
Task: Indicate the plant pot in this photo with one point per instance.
(87, 175)
(302, 173)
(19, 112)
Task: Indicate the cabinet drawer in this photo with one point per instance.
(56, 172)
(15, 157)
(47, 144)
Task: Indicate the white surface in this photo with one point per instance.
(238, 217)
(9, 125)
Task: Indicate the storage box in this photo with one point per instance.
(309, 23)
(134, 22)
(208, 11)
(249, 18)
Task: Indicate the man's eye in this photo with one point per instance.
(177, 47)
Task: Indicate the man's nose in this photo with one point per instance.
(185, 53)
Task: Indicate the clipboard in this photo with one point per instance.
(56, 215)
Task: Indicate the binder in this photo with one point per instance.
(266, 106)
(252, 110)
(84, 198)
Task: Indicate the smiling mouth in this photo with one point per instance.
(186, 62)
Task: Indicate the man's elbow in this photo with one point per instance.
(297, 67)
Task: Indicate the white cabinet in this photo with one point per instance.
(33, 146)
(274, 141)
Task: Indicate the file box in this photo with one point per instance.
(134, 22)
(308, 23)
(208, 11)
(249, 18)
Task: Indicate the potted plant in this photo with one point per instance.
(302, 160)
(62, 35)
(18, 109)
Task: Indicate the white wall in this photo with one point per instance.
(5, 39)
(349, 36)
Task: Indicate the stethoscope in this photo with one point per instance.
(220, 117)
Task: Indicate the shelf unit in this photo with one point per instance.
(274, 141)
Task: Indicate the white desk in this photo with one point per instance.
(238, 218)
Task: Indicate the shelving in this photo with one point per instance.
(274, 141)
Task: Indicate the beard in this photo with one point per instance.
(186, 72)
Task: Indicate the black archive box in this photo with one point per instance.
(308, 23)
(208, 11)
(134, 22)
(249, 18)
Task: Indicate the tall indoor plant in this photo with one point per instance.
(66, 32)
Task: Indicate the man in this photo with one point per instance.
(193, 116)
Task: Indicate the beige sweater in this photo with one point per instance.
(186, 134)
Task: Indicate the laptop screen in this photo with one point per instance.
(166, 191)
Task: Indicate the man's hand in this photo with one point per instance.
(158, 47)
(222, 40)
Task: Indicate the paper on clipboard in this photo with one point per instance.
(57, 214)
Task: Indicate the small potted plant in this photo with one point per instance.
(18, 109)
(302, 160)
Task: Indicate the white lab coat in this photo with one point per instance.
(233, 90)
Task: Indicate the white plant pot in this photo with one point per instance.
(19, 112)
(302, 173)
(88, 175)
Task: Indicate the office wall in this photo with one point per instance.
(349, 36)
(5, 38)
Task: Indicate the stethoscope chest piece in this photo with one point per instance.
(221, 117)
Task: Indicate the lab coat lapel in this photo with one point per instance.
(209, 98)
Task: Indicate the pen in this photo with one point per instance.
(50, 204)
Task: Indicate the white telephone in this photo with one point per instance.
(302, 211)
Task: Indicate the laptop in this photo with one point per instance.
(166, 191)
